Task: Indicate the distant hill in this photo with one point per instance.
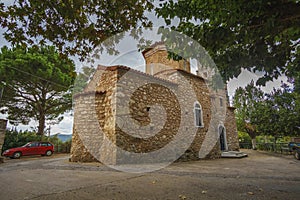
(63, 137)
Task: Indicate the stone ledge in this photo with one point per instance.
(233, 154)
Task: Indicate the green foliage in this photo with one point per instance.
(74, 27)
(276, 114)
(247, 102)
(14, 138)
(244, 137)
(256, 35)
(36, 83)
(271, 139)
(60, 146)
(55, 140)
(280, 114)
(83, 78)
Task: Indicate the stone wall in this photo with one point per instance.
(126, 103)
(3, 124)
(147, 115)
(215, 104)
(157, 60)
(231, 130)
(94, 118)
(189, 84)
(123, 113)
(192, 88)
(178, 101)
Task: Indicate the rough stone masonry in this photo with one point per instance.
(3, 124)
(123, 113)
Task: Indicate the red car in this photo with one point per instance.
(31, 148)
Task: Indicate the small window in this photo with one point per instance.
(198, 115)
(221, 102)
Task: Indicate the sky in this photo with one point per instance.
(132, 58)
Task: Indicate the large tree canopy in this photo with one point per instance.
(73, 26)
(279, 115)
(260, 35)
(276, 113)
(247, 102)
(36, 85)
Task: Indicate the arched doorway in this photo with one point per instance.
(223, 140)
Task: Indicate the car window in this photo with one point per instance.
(45, 144)
(27, 144)
(34, 144)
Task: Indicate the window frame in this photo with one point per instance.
(221, 102)
(198, 108)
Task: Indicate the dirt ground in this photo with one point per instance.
(259, 176)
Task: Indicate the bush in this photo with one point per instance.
(14, 139)
(244, 137)
(59, 146)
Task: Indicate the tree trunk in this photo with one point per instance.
(42, 117)
(41, 127)
(251, 130)
(253, 141)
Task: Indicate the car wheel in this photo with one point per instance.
(297, 155)
(17, 155)
(48, 153)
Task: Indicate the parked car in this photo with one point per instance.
(293, 145)
(31, 148)
(297, 152)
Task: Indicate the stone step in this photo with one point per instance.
(233, 154)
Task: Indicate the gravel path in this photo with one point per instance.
(259, 176)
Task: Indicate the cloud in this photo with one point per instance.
(65, 126)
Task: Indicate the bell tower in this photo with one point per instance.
(157, 60)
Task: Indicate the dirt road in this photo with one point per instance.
(260, 176)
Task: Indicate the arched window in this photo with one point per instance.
(198, 115)
(223, 139)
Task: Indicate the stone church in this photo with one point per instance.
(165, 112)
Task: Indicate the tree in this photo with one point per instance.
(74, 27)
(13, 138)
(260, 35)
(248, 103)
(36, 84)
(276, 113)
(281, 115)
